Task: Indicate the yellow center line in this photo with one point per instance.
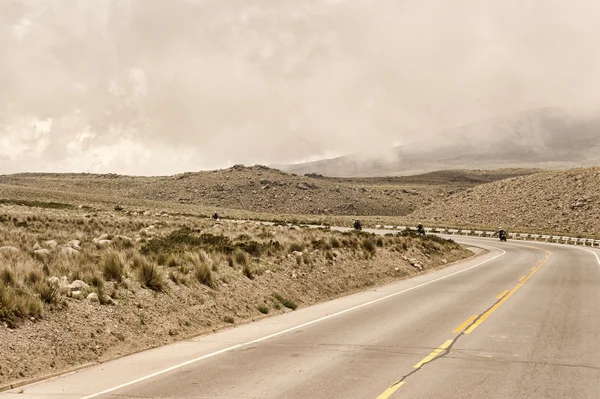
(465, 324)
(505, 298)
(522, 279)
(434, 354)
(502, 294)
(390, 391)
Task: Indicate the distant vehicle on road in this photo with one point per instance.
(420, 229)
(502, 234)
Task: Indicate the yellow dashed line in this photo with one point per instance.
(502, 294)
(390, 391)
(501, 301)
(465, 324)
(434, 354)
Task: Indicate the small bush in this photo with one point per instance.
(178, 278)
(296, 247)
(47, 292)
(161, 259)
(241, 257)
(335, 243)
(7, 276)
(230, 261)
(150, 276)
(34, 276)
(249, 271)
(229, 319)
(329, 255)
(204, 274)
(288, 303)
(379, 242)
(112, 267)
(368, 246)
(263, 309)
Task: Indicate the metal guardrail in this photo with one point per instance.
(515, 236)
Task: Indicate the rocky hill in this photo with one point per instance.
(546, 138)
(264, 190)
(554, 201)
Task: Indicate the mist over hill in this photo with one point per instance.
(546, 138)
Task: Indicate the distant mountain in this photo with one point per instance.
(546, 138)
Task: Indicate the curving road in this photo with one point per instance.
(520, 321)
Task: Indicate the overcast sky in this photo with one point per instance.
(165, 86)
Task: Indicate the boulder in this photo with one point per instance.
(78, 285)
(93, 297)
(9, 250)
(69, 251)
(77, 295)
(42, 252)
(51, 244)
(75, 244)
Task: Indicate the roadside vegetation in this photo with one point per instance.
(98, 284)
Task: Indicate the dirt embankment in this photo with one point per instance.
(560, 202)
(77, 289)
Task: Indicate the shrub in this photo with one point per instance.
(178, 278)
(241, 257)
(329, 255)
(263, 309)
(335, 243)
(379, 242)
(368, 245)
(296, 247)
(249, 271)
(288, 303)
(230, 261)
(7, 276)
(229, 319)
(112, 266)
(47, 292)
(204, 274)
(150, 276)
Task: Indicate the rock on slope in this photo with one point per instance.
(565, 201)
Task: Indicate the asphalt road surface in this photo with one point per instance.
(520, 321)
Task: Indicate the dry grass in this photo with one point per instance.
(156, 253)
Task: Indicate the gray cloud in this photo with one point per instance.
(156, 87)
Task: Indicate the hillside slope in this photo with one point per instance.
(265, 190)
(555, 201)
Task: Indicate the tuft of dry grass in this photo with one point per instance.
(112, 266)
(151, 276)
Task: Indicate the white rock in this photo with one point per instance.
(9, 249)
(51, 243)
(78, 285)
(69, 251)
(37, 246)
(42, 252)
(103, 237)
(77, 295)
(93, 297)
(75, 244)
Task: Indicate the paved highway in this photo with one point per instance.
(520, 321)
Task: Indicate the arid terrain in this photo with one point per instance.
(552, 201)
(241, 191)
(79, 287)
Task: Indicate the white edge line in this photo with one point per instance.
(593, 252)
(228, 349)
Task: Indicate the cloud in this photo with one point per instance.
(136, 86)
